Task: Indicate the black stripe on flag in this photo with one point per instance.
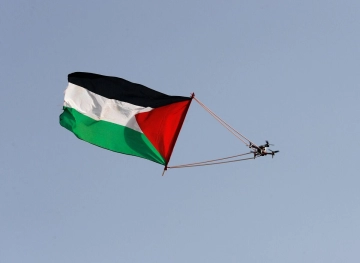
(122, 90)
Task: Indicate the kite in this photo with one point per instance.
(132, 119)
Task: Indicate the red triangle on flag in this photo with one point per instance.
(162, 126)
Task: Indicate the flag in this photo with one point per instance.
(122, 116)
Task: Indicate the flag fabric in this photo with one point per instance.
(122, 116)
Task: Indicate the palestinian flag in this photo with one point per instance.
(122, 116)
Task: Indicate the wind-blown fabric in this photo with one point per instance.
(122, 116)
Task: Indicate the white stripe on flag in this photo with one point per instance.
(100, 108)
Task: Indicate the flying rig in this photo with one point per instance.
(129, 118)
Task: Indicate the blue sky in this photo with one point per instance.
(285, 71)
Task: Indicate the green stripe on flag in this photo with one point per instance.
(110, 136)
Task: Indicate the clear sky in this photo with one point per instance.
(284, 71)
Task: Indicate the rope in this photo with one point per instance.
(211, 161)
(226, 125)
(204, 164)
